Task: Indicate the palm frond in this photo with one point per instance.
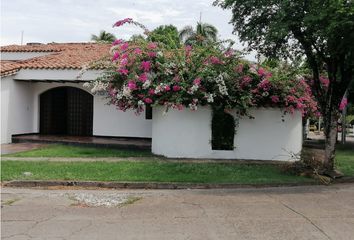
(186, 32)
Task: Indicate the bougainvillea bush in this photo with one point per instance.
(148, 73)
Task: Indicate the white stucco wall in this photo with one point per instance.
(20, 105)
(109, 121)
(187, 134)
(16, 108)
(56, 75)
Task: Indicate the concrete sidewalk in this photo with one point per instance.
(311, 212)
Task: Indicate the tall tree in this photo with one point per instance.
(320, 30)
(103, 37)
(166, 34)
(202, 34)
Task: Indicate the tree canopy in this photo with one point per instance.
(202, 34)
(166, 34)
(321, 31)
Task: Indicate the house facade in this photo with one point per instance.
(41, 93)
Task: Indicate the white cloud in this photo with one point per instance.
(75, 21)
(151, 16)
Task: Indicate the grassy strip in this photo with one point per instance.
(345, 159)
(153, 171)
(75, 151)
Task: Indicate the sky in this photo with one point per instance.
(47, 21)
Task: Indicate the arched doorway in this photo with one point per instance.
(66, 111)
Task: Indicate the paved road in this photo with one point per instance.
(315, 212)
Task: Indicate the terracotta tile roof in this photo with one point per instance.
(50, 47)
(9, 68)
(61, 56)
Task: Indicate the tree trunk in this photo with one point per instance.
(331, 139)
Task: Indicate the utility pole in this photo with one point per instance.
(200, 17)
(22, 37)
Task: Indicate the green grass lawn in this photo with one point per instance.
(345, 159)
(76, 151)
(155, 171)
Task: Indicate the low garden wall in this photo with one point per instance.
(187, 134)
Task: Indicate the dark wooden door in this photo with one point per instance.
(66, 111)
(80, 105)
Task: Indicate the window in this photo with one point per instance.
(223, 130)
(148, 112)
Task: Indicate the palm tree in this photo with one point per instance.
(103, 37)
(202, 34)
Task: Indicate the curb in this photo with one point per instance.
(156, 185)
(146, 185)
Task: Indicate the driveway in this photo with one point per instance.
(315, 212)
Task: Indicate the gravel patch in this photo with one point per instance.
(104, 200)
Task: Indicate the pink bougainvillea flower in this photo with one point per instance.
(229, 53)
(148, 100)
(132, 85)
(123, 71)
(188, 48)
(124, 46)
(151, 91)
(145, 65)
(125, 55)
(255, 91)
(324, 81)
(124, 62)
(167, 88)
(115, 56)
(152, 54)
(152, 45)
(291, 109)
(143, 77)
(343, 103)
(261, 71)
(275, 99)
(239, 68)
(176, 88)
(300, 105)
(264, 84)
(177, 78)
(215, 60)
(179, 107)
(137, 51)
(117, 42)
(112, 91)
(122, 22)
(245, 81)
(291, 99)
(197, 81)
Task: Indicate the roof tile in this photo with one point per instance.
(61, 56)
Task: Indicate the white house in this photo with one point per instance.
(41, 94)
